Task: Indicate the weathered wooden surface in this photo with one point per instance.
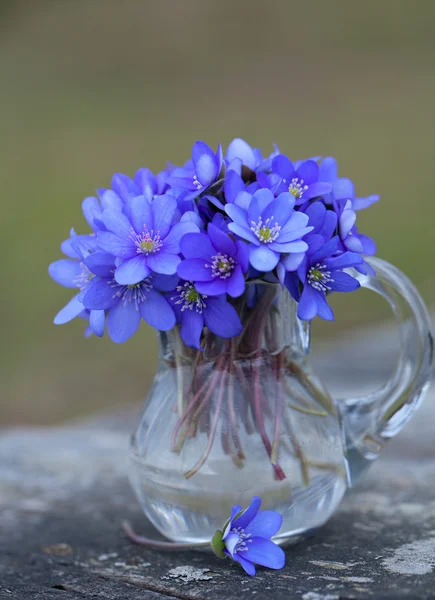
(64, 493)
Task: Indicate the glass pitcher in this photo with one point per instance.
(248, 416)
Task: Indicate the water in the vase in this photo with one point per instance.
(240, 419)
(304, 482)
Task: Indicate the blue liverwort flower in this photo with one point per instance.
(72, 272)
(302, 182)
(323, 223)
(93, 208)
(241, 152)
(124, 186)
(205, 169)
(144, 237)
(150, 185)
(322, 272)
(122, 189)
(271, 226)
(194, 310)
(214, 262)
(233, 185)
(246, 538)
(350, 237)
(343, 188)
(125, 305)
(234, 188)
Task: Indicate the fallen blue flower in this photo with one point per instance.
(246, 538)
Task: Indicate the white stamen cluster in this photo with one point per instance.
(221, 266)
(244, 539)
(197, 183)
(84, 278)
(146, 242)
(136, 292)
(189, 298)
(266, 232)
(297, 187)
(319, 278)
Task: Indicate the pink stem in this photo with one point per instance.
(150, 543)
(186, 413)
(225, 442)
(219, 370)
(196, 398)
(247, 421)
(212, 433)
(233, 418)
(279, 473)
(278, 412)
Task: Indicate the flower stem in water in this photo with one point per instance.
(305, 472)
(278, 412)
(213, 429)
(233, 419)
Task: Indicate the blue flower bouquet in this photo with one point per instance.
(230, 257)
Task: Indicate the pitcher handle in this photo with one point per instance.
(381, 415)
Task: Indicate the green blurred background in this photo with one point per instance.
(90, 87)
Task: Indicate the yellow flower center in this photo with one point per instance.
(265, 234)
(297, 187)
(266, 231)
(147, 245)
(192, 295)
(316, 274)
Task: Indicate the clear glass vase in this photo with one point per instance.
(248, 416)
